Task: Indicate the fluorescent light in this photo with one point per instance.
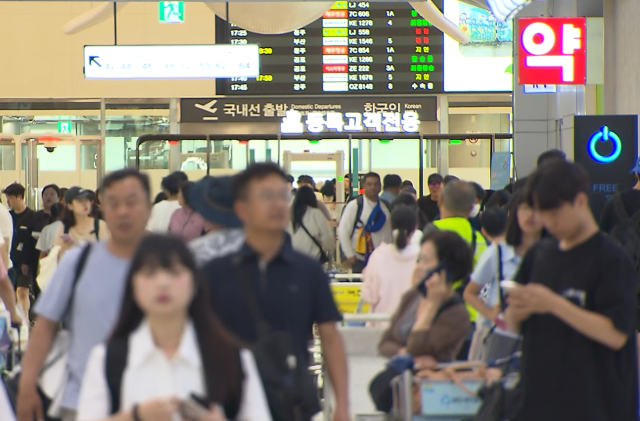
(504, 10)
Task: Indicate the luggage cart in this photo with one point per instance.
(417, 399)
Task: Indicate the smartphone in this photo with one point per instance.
(422, 285)
(509, 286)
(193, 408)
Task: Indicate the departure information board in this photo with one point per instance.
(354, 48)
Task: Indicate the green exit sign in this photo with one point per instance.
(64, 127)
(171, 12)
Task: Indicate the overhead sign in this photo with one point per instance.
(260, 110)
(171, 12)
(539, 89)
(315, 122)
(607, 147)
(170, 61)
(552, 51)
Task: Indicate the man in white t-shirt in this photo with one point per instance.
(162, 211)
(7, 292)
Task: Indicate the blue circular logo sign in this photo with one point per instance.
(605, 135)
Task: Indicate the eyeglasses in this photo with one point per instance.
(273, 196)
(435, 184)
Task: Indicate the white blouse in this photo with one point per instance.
(150, 374)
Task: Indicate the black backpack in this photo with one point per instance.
(115, 363)
(290, 390)
(626, 232)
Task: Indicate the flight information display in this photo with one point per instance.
(354, 48)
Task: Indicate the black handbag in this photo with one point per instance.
(291, 392)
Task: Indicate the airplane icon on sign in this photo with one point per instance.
(208, 107)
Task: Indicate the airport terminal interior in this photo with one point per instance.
(332, 92)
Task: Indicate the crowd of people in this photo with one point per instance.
(184, 302)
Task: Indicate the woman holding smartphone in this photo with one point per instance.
(78, 223)
(180, 363)
(431, 320)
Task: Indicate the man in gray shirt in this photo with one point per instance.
(212, 198)
(126, 205)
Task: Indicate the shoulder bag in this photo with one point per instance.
(324, 258)
(290, 390)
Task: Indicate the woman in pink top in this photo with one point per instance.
(389, 271)
(186, 223)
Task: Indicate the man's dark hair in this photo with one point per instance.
(181, 176)
(498, 199)
(392, 181)
(371, 175)
(290, 179)
(555, 183)
(15, 190)
(449, 178)
(256, 171)
(407, 183)
(551, 155)
(453, 252)
(494, 221)
(123, 174)
(51, 186)
(306, 179)
(172, 183)
(479, 190)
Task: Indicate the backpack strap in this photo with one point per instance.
(82, 261)
(116, 357)
(232, 406)
(500, 277)
(96, 228)
(360, 203)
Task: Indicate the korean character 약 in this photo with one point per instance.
(354, 122)
(410, 122)
(269, 110)
(391, 122)
(281, 109)
(373, 121)
(335, 121)
(230, 109)
(292, 122)
(254, 110)
(315, 122)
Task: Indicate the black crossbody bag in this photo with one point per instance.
(324, 258)
(290, 390)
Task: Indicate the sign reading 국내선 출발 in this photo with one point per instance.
(170, 61)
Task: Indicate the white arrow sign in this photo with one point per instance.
(170, 61)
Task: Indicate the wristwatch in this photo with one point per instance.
(135, 413)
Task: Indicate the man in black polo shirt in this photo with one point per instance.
(291, 288)
(576, 309)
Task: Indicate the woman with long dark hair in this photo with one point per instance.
(309, 228)
(500, 260)
(388, 275)
(176, 349)
(79, 224)
(185, 223)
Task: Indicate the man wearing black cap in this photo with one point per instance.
(212, 198)
(429, 204)
(630, 200)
